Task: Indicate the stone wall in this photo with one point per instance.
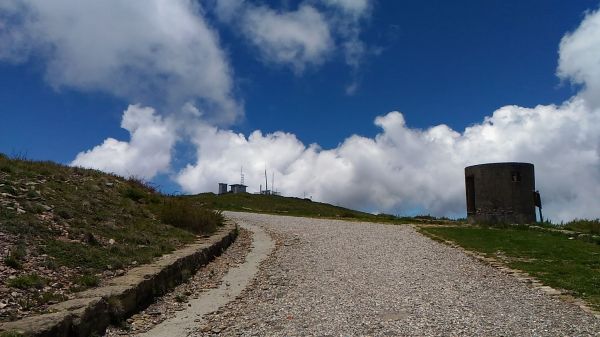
(94, 309)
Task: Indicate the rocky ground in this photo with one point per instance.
(43, 282)
(336, 278)
(207, 277)
(65, 229)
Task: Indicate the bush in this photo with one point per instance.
(27, 282)
(88, 280)
(134, 194)
(182, 213)
(15, 257)
(13, 262)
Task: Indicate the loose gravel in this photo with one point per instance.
(337, 278)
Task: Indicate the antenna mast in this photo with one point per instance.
(266, 181)
(273, 181)
(242, 175)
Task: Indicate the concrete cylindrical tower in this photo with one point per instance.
(500, 193)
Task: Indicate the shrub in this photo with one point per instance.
(12, 262)
(27, 282)
(88, 280)
(182, 213)
(50, 297)
(134, 194)
(15, 257)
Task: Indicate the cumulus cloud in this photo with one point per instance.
(153, 51)
(297, 38)
(146, 154)
(304, 37)
(579, 59)
(404, 170)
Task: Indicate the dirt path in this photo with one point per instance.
(337, 278)
(234, 281)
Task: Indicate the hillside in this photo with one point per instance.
(274, 204)
(63, 229)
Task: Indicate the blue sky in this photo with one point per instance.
(435, 62)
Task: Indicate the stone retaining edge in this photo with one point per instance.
(93, 310)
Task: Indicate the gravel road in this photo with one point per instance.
(337, 278)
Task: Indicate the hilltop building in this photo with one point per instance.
(501, 193)
(238, 188)
(235, 188)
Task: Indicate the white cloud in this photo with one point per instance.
(304, 37)
(579, 59)
(298, 38)
(145, 155)
(346, 20)
(153, 51)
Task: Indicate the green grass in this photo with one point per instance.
(583, 226)
(27, 281)
(88, 280)
(274, 204)
(555, 260)
(187, 214)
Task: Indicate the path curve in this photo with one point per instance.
(233, 283)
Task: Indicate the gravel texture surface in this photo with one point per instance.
(337, 278)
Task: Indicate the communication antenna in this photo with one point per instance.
(273, 181)
(266, 181)
(242, 175)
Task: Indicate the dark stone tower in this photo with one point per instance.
(500, 193)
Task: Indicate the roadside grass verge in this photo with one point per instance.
(552, 258)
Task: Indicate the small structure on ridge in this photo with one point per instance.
(501, 193)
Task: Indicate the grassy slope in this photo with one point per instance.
(69, 228)
(552, 258)
(277, 205)
(272, 204)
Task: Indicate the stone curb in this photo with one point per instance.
(518, 274)
(91, 311)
